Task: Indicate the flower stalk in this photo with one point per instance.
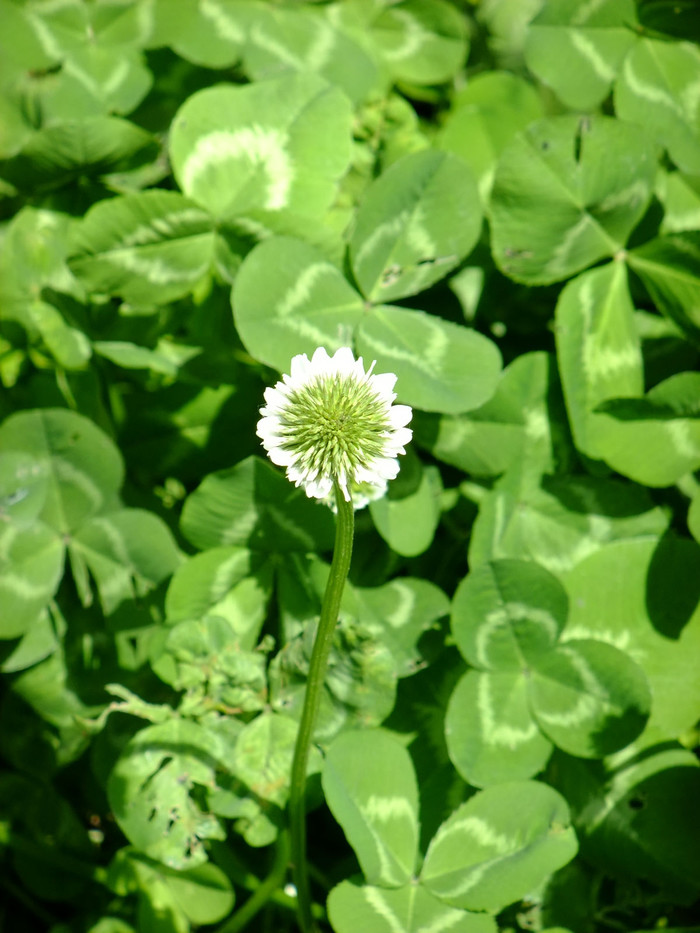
(340, 566)
(336, 430)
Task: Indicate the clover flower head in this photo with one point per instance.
(330, 421)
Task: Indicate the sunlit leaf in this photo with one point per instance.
(149, 247)
(499, 845)
(370, 787)
(307, 303)
(440, 366)
(414, 225)
(568, 191)
(656, 88)
(410, 909)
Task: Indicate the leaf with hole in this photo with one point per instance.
(568, 192)
(416, 222)
(577, 48)
(657, 88)
(155, 791)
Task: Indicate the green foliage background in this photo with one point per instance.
(500, 203)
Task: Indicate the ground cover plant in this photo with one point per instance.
(499, 203)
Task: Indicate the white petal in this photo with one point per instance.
(383, 384)
(400, 437)
(277, 398)
(385, 468)
(344, 362)
(299, 370)
(363, 475)
(319, 489)
(320, 360)
(400, 415)
(268, 427)
(280, 456)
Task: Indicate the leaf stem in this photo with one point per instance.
(340, 566)
(264, 893)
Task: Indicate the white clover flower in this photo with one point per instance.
(332, 421)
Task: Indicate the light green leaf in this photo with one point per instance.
(508, 613)
(96, 80)
(421, 41)
(484, 442)
(38, 642)
(408, 515)
(211, 35)
(499, 846)
(577, 48)
(111, 925)
(568, 191)
(360, 688)
(643, 596)
(204, 894)
(398, 613)
(204, 656)
(589, 697)
(694, 517)
(21, 49)
(82, 465)
(132, 356)
(440, 366)
(68, 345)
(32, 258)
(410, 909)
(252, 504)
(308, 38)
(485, 116)
(656, 439)
(559, 521)
(23, 488)
(306, 304)
(668, 267)
(200, 895)
(658, 87)
(680, 196)
(263, 756)
(31, 560)
(270, 146)
(31, 568)
(598, 348)
(507, 22)
(148, 248)
(151, 789)
(370, 787)
(231, 582)
(127, 552)
(67, 25)
(416, 222)
(491, 735)
(66, 151)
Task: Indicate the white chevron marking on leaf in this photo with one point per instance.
(588, 50)
(496, 732)
(255, 145)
